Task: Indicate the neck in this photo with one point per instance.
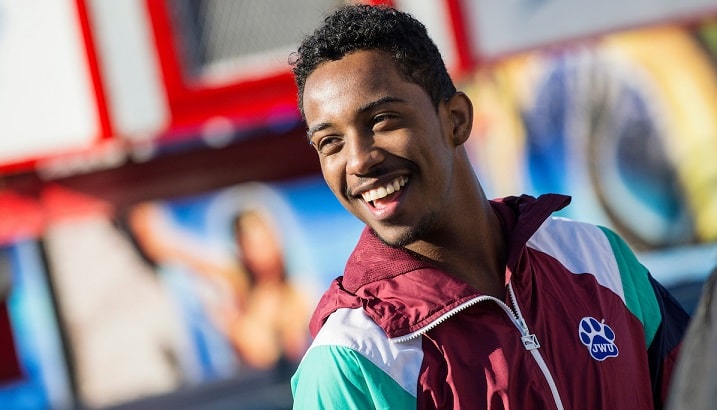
(471, 246)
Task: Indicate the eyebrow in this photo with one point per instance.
(364, 108)
(318, 127)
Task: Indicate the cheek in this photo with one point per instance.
(333, 176)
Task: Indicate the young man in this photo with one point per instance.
(451, 300)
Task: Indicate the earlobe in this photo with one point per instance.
(460, 111)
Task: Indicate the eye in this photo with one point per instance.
(385, 121)
(328, 145)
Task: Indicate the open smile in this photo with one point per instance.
(373, 196)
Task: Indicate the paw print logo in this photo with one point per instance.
(598, 338)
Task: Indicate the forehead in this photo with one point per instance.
(357, 77)
(355, 65)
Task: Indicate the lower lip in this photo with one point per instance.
(388, 206)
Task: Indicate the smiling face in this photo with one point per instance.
(386, 153)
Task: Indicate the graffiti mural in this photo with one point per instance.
(208, 293)
(627, 125)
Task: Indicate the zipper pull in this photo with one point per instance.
(530, 342)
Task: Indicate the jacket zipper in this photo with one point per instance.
(530, 341)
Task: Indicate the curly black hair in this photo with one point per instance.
(364, 27)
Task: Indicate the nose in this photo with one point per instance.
(363, 154)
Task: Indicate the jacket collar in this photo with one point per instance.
(372, 260)
(520, 217)
(402, 292)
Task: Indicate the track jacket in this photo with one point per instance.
(583, 326)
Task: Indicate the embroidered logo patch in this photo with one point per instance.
(598, 338)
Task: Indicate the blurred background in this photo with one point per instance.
(164, 228)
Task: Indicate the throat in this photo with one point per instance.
(485, 282)
(486, 275)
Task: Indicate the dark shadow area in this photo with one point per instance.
(688, 293)
(251, 391)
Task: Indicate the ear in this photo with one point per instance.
(459, 109)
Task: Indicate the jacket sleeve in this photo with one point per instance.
(337, 377)
(663, 318)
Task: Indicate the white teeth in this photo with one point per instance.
(384, 191)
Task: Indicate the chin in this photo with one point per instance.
(397, 238)
(402, 236)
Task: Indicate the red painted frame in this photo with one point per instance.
(246, 100)
(105, 127)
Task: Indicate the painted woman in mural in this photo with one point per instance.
(267, 323)
(248, 296)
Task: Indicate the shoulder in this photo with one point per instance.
(587, 248)
(351, 359)
(355, 335)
